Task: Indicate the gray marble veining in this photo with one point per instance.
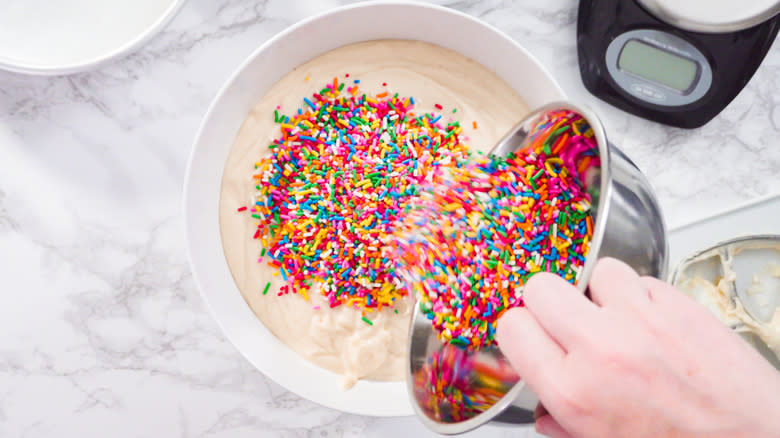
(102, 331)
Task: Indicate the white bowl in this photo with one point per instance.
(275, 58)
(55, 37)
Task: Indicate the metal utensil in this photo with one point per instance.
(628, 226)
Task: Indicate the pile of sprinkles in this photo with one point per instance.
(470, 243)
(333, 185)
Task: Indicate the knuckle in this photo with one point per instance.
(572, 401)
(604, 265)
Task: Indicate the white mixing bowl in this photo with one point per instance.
(251, 80)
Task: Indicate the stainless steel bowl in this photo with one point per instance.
(628, 226)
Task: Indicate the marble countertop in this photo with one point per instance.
(102, 332)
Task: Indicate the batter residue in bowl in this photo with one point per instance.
(713, 278)
(331, 185)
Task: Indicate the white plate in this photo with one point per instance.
(65, 36)
(294, 46)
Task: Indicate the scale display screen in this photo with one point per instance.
(657, 65)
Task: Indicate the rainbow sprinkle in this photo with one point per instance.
(470, 243)
(328, 194)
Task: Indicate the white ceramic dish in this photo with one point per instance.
(294, 46)
(52, 37)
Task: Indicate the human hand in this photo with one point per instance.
(640, 360)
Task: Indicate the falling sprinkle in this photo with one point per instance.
(469, 243)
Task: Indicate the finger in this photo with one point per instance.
(676, 308)
(666, 296)
(655, 287)
(660, 291)
(560, 308)
(531, 351)
(615, 283)
(546, 425)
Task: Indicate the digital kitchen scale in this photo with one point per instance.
(678, 62)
